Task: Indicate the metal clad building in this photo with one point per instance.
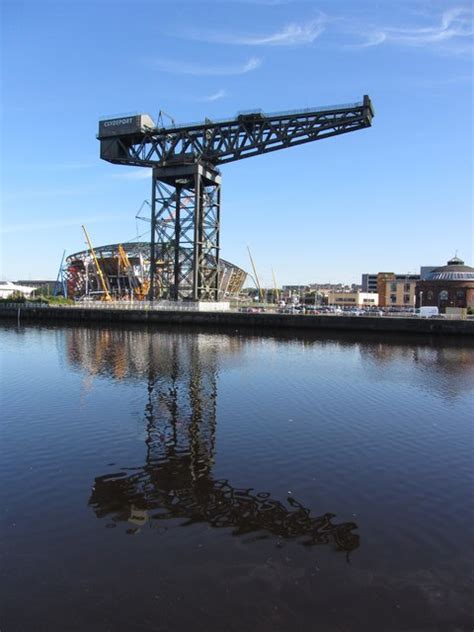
(426, 270)
(369, 282)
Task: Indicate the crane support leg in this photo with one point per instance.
(185, 230)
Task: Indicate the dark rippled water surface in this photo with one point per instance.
(173, 481)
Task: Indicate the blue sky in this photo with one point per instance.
(392, 197)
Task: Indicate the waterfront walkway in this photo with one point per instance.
(189, 316)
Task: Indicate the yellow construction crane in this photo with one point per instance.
(277, 291)
(260, 291)
(106, 296)
(140, 289)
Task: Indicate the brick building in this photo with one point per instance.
(451, 285)
(396, 290)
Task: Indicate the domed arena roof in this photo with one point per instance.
(82, 279)
(455, 270)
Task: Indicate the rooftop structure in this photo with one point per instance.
(426, 270)
(455, 270)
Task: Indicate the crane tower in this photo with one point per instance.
(186, 182)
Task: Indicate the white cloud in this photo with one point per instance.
(139, 173)
(453, 25)
(290, 35)
(191, 68)
(220, 94)
(374, 40)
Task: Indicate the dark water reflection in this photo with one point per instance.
(176, 479)
(221, 455)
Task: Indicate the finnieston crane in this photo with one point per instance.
(186, 182)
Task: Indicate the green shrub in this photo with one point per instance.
(59, 300)
(15, 297)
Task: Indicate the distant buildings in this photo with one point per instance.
(350, 299)
(394, 290)
(446, 286)
(450, 286)
(7, 288)
(47, 287)
(329, 294)
(290, 291)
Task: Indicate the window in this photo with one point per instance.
(460, 294)
(406, 298)
(429, 296)
(393, 298)
(443, 295)
(393, 287)
(407, 287)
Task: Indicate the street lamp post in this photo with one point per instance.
(421, 299)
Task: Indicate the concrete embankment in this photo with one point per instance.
(289, 322)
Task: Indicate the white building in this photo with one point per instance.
(7, 288)
(352, 299)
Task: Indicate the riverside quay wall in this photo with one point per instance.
(261, 321)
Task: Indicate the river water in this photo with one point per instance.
(157, 480)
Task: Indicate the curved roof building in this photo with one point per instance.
(451, 285)
(455, 270)
(125, 269)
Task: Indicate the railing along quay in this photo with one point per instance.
(170, 306)
(109, 305)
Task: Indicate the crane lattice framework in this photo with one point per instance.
(186, 183)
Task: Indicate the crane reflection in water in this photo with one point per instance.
(175, 482)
